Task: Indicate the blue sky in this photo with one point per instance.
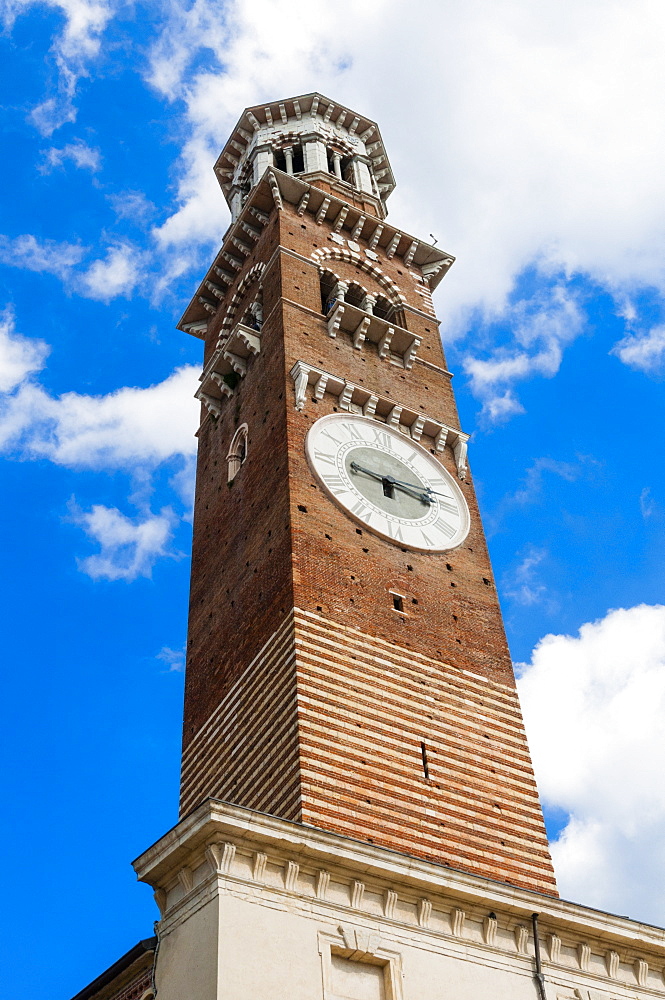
(528, 139)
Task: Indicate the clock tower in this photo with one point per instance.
(347, 667)
(359, 817)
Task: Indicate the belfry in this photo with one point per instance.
(359, 816)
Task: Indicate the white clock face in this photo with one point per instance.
(387, 482)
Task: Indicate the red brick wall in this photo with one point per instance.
(320, 718)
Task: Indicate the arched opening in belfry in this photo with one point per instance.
(298, 160)
(290, 159)
(355, 295)
(387, 310)
(328, 291)
(253, 315)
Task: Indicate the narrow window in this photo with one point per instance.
(423, 751)
(298, 160)
(328, 291)
(237, 455)
(398, 603)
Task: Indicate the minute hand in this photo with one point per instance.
(427, 489)
(412, 488)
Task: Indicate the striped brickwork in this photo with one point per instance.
(319, 714)
(248, 750)
(326, 727)
(366, 707)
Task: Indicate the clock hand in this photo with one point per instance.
(360, 468)
(411, 488)
(428, 489)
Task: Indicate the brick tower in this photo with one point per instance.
(347, 666)
(359, 818)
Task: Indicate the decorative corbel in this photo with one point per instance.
(300, 374)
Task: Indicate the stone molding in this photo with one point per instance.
(273, 190)
(409, 896)
(358, 399)
(360, 946)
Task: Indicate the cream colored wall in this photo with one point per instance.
(249, 948)
(255, 908)
(187, 959)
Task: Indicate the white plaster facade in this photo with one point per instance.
(253, 906)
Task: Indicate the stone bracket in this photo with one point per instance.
(230, 357)
(359, 399)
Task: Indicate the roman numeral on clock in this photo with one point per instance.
(336, 485)
(322, 456)
(382, 439)
(361, 511)
(443, 527)
(395, 531)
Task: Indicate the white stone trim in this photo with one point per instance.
(359, 399)
(364, 946)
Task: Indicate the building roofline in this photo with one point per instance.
(124, 962)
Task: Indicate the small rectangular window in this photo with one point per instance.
(398, 603)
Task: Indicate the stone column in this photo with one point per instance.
(236, 202)
(362, 178)
(288, 156)
(337, 165)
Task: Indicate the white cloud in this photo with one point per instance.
(593, 706)
(82, 156)
(76, 45)
(118, 274)
(644, 352)
(19, 356)
(128, 549)
(523, 584)
(540, 130)
(532, 485)
(134, 430)
(647, 503)
(174, 658)
(132, 206)
(539, 328)
(126, 429)
(45, 256)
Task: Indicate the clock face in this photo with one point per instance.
(387, 482)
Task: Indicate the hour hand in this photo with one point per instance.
(361, 468)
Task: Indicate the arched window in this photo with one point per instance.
(253, 316)
(237, 452)
(328, 291)
(383, 308)
(355, 295)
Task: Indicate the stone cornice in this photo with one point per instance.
(215, 822)
(275, 188)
